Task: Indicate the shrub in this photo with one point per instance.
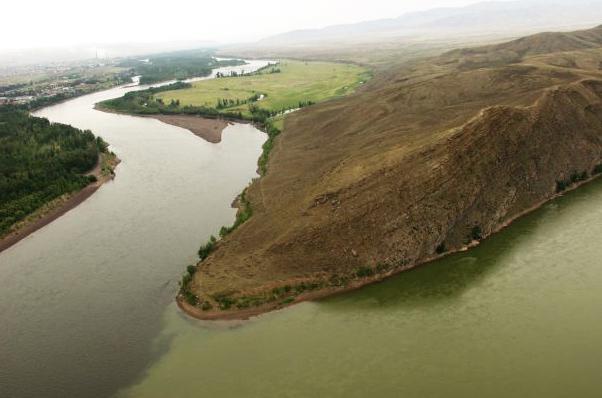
(186, 279)
(561, 186)
(191, 270)
(364, 272)
(476, 233)
(224, 302)
(288, 300)
(441, 248)
(382, 267)
(245, 212)
(206, 249)
(272, 132)
(577, 177)
(190, 298)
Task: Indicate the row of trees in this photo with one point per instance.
(223, 103)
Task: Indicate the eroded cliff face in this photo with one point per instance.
(419, 163)
(516, 157)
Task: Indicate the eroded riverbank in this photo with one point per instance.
(324, 289)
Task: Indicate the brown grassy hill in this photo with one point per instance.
(516, 50)
(426, 159)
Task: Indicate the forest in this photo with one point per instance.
(40, 161)
(176, 65)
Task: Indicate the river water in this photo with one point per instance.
(83, 298)
(87, 302)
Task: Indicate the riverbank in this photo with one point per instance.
(315, 295)
(103, 171)
(208, 129)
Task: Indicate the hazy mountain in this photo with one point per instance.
(487, 17)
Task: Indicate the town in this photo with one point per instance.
(37, 85)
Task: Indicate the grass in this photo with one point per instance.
(298, 82)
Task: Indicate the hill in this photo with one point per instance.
(517, 50)
(509, 17)
(428, 158)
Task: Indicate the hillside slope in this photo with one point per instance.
(426, 159)
(526, 16)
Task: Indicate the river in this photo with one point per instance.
(83, 298)
(87, 302)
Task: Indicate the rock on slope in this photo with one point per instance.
(425, 159)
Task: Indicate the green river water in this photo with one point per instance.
(519, 316)
(87, 306)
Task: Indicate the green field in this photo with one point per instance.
(297, 82)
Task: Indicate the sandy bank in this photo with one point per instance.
(208, 129)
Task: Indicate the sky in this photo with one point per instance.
(51, 23)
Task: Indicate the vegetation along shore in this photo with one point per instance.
(47, 169)
(431, 158)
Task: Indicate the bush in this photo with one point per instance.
(364, 272)
(224, 302)
(441, 248)
(476, 233)
(381, 267)
(186, 279)
(561, 186)
(245, 212)
(206, 249)
(190, 298)
(272, 132)
(288, 300)
(578, 177)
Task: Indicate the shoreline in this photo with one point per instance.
(316, 295)
(208, 129)
(58, 207)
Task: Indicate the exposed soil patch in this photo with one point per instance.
(208, 129)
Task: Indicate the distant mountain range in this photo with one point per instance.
(495, 17)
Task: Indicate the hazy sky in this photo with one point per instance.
(27, 23)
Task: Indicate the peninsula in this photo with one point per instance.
(429, 158)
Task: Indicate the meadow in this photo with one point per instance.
(283, 86)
